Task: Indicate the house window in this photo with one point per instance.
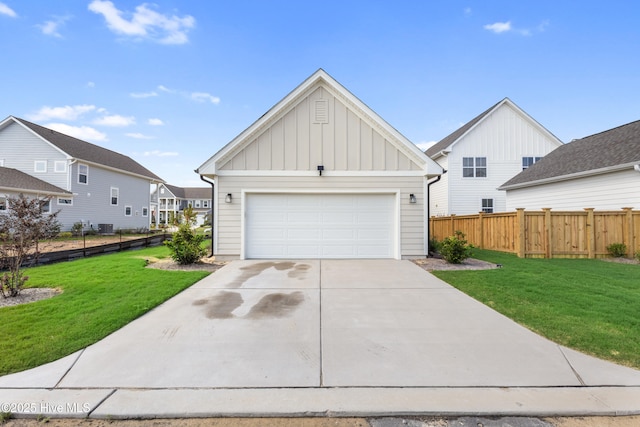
(40, 166)
(65, 201)
(205, 203)
(127, 210)
(528, 161)
(60, 166)
(474, 167)
(83, 174)
(197, 203)
(487, 205)
(115, 194)
(145, 211)
(3, 204)
(46, 206)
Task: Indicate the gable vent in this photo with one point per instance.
(321, 111)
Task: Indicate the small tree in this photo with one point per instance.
(454, 249)
(21, 226)
(185, 245)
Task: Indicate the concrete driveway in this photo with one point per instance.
(322, 325)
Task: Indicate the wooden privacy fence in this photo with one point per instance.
(546, 233)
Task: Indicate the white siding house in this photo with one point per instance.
(169, 201)
(484, 153)
(601, 171)
(96, 185)
(320, 175)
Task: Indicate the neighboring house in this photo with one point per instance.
(173, 200)
(482, 155)
(14, 182)
(95, 186)
(601, 171)
(320, 175)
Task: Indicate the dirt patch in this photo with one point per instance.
(621, 260)
(30, 295)
(79, 243)
(432, 264)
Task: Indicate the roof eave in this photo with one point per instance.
(568, 177)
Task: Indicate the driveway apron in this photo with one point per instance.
(324, 323)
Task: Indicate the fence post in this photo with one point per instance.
(591, 234)
(521, 244)
(451, 225)
(481, 229)
(630, 243)
(548, 232)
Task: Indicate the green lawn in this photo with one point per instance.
(589, 305)
(100, 295)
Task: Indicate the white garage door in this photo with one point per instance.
(320, 226)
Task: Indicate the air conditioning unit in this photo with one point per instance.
(105, 228)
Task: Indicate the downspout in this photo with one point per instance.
(212, 210)
(429, 201)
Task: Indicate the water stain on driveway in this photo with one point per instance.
(255, 269)
(221, 306)
(276, 305)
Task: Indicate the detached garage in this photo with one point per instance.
(320, 175)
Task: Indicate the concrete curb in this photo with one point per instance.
(311, 402)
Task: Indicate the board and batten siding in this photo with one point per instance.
(610, 191)
(300, 141)
(229, 223)
(20, 148)
(504, 137)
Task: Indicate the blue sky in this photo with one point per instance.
(170, 82)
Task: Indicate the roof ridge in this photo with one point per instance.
(605, 131)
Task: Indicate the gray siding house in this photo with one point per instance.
(95, 186)
(169, 201)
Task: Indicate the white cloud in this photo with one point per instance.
(467, 11)
(81, 132)
(155, 122)
(50, 28)
(498, 27)
(157, 153)
(203, 97)
(91, 84)
(504, 27)
(424, 145)
(6, 10)
(67, 112)
(194, 96)
(145, 23)
(115, 120)
(143, 94)
(138, 135)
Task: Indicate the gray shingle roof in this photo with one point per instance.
(614, 147)
(190, 192)
(15, 179)
(444, 143)
(86, 151)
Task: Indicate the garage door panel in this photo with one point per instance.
(320, 226)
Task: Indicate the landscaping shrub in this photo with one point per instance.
(455, 249)
(185, 245)
(434, 245)
(617, 250)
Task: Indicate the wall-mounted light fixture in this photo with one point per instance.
(320, 169)
(228, 198)
(412, 198)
